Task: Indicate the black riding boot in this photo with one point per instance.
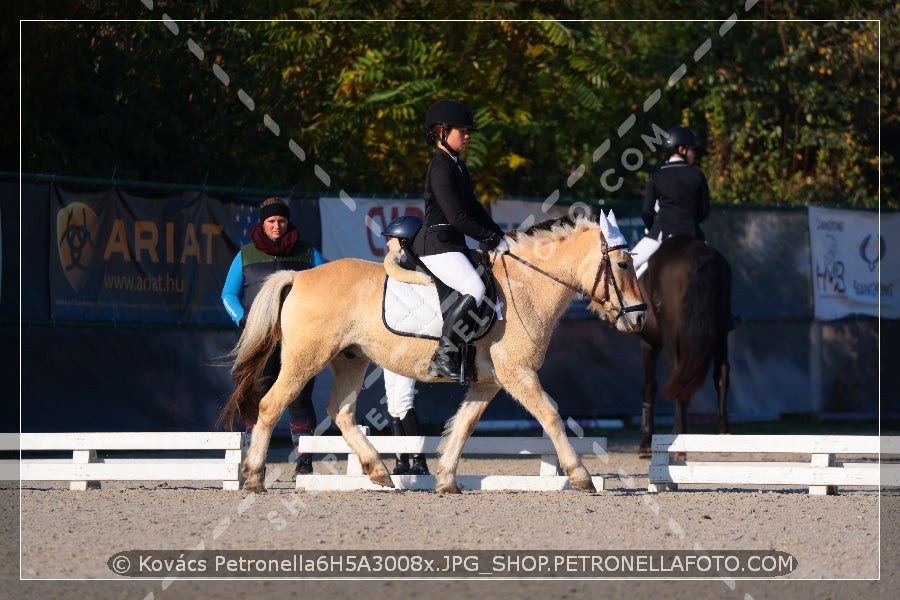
(402, 467)
(412, 427)
(459, 325)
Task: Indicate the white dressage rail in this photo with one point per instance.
(550, 477)
(822, 474)
(85, 469)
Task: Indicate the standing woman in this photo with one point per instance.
(452, 212)
(275, 245)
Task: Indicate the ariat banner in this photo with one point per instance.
(117, 257)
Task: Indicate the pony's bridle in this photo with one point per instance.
(605, 262)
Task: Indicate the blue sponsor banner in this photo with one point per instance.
(122, 258)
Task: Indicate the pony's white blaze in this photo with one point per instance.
(332, 317)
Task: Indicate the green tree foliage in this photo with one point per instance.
(781, 124)
(273, 94)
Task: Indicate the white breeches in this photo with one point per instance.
(455, 270)
(642, 252)
(400, 391)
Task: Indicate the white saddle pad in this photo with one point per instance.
(411, 309)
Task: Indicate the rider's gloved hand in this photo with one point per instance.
(502, 247)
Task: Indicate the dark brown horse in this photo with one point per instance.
(687, 287)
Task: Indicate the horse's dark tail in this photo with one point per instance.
(697, 334)
(261, 334)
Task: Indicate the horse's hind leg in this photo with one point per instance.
(721, 373)
(254, 467)
(681, 408)
(349, 372)
(648, 392)
(524, 385)
(298, 365)
(457, 431)
(721, 367)
(271, 407)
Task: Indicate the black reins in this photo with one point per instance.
(605, 262)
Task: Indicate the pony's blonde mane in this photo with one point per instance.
(552, 230)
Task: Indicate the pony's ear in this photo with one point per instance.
(610, 229)
(612, 219)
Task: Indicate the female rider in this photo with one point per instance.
(452, 212)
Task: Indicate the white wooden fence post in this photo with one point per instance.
(822, 460)
(83, 457)
(550, 463)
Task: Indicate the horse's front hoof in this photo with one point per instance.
(255, 484)
(581, 480)
(379, 475)
(584, 486)
(445, 482)
(447, 488)
(254, 487)
(254, 481)
(644, 448)
(382, 479)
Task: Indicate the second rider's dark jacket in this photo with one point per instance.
(683, 196)
(452, 211)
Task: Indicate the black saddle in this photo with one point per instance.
(447, 296)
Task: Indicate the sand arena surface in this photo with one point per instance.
(70, 535)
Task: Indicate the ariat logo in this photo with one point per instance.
(76, 233)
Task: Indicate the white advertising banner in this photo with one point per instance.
(854, 264)
(352, 228)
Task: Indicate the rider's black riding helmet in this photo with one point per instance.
(450, 113)
(404, 227)
(679, 136)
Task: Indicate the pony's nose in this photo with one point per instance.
(639, 321)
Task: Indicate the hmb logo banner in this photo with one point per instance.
(854, 267)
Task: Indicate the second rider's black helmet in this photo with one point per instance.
(679, 136)
(404, 227)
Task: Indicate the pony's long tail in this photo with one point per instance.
(261, 334)
(697, 334)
